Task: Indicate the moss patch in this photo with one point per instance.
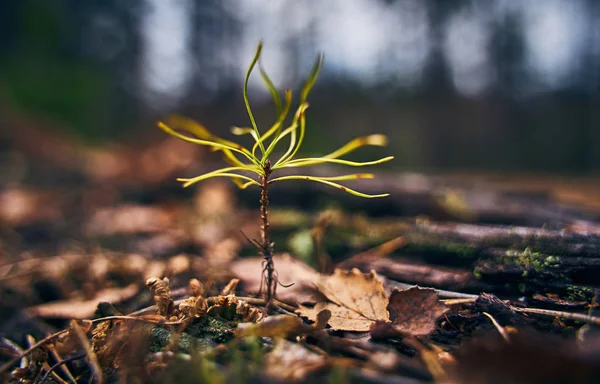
(202, 334)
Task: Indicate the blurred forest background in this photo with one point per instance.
(505, 85)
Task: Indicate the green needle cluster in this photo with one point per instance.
(244, 162)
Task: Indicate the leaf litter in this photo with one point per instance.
(358, 302)
(208, 321)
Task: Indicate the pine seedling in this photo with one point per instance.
(255, 166)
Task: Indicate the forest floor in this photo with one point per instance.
(111, 272)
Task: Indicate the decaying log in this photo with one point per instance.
(475, 240)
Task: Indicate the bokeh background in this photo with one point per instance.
(492, 85)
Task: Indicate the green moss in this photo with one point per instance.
(240, 361)
(461, 250)
(529, 260)
(420, 243)
(301, 244)
(201, 335)
(289, 218)
(212, 328)
(578, 293)
(522, 287)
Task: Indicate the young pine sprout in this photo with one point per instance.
(255, 166)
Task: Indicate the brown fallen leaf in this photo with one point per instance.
(224, 307)
(162, 295)
(195, 306)
(290, 270)
(130, 165)
(415, 310)
(273, 326)
(364, 258)
(214, 198)
(82, 309)
(20, 207)
(129, 219)
(248, 313)
(292, 361)
(356, 300)
(381, 330)
(286, 326)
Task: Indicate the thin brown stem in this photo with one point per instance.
(266, 245)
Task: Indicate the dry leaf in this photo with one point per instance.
(289, 269)
(224, 307)
(273, 326)
(107, 340)
(196, 287)
(162, 295)
(342, 318)
(214, 198)
(415, 310)
(357, 300)
(248, 313)
(322, 319)
(128, 165)
(129, 219)
(78, 309)
(230, 287)
(381, 330)
(195, 306)
(25, 207)
(291, 361)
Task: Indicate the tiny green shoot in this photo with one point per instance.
(255, 166)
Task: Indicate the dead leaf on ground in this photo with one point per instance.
(365, 258)
(221, 253)
(357, 300)
(274, 326)
(26, 206)
(82, 309)
(195, 306)
(290, 270)
(415, 310)
(162, 295)
(224, 307)
(292, 361)
(129, 219)
(248, 313)
(214, 198)
(119, 343)
(129, 165)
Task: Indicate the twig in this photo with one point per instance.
(561, 314)
(498, 327)
(55, 375)
(211, 300)
(95, 365)
(375, 253)
(536, 311)
(32, 348)
(61, 364)
(135, 318)
(440, 292)
(466, 300)
(63, 368)
(12, 346)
